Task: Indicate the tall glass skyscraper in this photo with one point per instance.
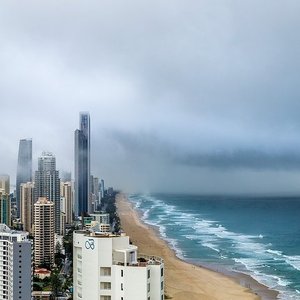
(82, 165)
(24, 168)
(47, 184)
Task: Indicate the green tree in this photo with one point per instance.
(56, 284)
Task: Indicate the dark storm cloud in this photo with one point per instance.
(253, 160)
(174, 89)
(152, 146)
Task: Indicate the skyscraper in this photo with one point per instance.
(27, 201)
(66, 193)
(5, 183)
(15, 264)
(102, 189)
(95, 193)
(43, 232)
(24, 168)
(47, 184)
(5, 213)
(82, 165)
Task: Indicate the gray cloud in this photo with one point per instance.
(177, 91)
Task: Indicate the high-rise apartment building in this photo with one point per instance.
(5, 208)
(43, 232)
(47, 184)
(5, 183)
(24, 168)
(15, 264)
(107, 267)
(102, 188)
(26, 205)
(66, 193)
(95, 193)
(82, 166)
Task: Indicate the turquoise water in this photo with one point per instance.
(258, 236)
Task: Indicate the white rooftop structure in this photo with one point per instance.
(108, 267)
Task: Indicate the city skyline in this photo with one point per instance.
(202, 98)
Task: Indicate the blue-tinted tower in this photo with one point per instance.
(24, 168)
(82, 166)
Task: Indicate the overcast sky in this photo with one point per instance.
(184, 96)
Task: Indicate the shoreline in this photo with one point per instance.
(188, 280)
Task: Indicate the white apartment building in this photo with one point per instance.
(66, 193)
(15, 264)
(107, 267)
(102, 218)
(44, 226)
(26, 205)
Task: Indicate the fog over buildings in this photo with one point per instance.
(184, 96)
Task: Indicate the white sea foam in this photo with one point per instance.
(192, 237)
(174, 245)
(212, 234)
(272, 281)
(275, 252)
(293, 261)
(211, 246)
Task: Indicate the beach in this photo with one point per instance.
(183, 280)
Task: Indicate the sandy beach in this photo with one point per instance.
(183, 281)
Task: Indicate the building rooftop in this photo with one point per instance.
(97, 234)
(142, 261)
(5, 228)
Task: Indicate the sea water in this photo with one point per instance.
(257, 236)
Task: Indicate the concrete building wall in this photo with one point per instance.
(22, 271)
(107, 265)
(5, 183)
(15, 264)
(66, 191)
(5, 208)
(26, 205)
(43, 232)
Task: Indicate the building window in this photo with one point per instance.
(122, 273)
(148, 289)
(162, 297)
(161, 272)
(148, 274)
(105, 297)
(121, 286)
(105, 271)
(162, 285)
(105, 285)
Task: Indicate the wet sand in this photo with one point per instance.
(184, 281)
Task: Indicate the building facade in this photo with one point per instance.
(5, 183)
(47, 184)
(43, 232)
(5, 208)
(102, 218)
(24, 168)
(15, 264)
(26, 205)
(66, 193)
(82, 166)
(107, 267)
(102, 188)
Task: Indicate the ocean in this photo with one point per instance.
(257, 236)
